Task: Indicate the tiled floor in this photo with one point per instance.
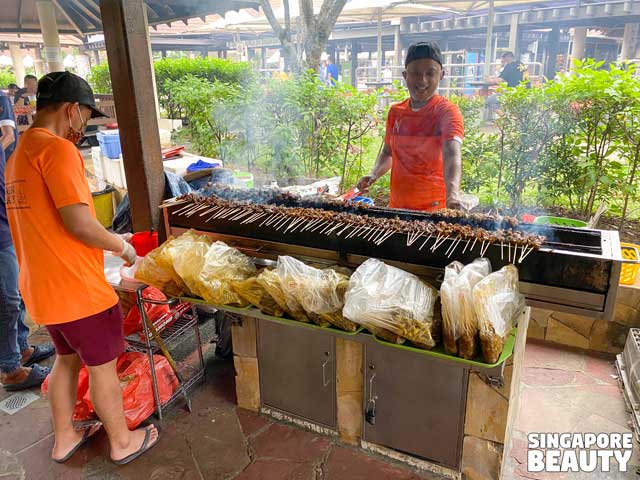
(562, 391)
(567, 390)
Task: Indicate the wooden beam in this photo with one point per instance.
(89, 15)
(20, 14)
(67, 16)
(126, 36)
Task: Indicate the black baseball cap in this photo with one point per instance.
(421, 50)
(67, 87)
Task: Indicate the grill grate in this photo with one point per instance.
(17, 402)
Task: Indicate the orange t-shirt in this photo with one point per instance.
(416, 140)
(61, 278)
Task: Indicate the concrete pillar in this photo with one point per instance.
(488, 49)
(552, 53)
(126, 34)
(263, 58)
(629, 41)
(514, 34)
(355, 48)
(379, 49)
(38, 62)
(96, 57)
(579, 42)
(49, 27)
(83, 66)
(16, 59)
(397, 46)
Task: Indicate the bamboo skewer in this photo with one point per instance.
(425, 242)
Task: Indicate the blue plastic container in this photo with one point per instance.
(365, 200)
(110, 144)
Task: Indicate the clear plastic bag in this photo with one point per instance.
(156, 269)
(318, 293)
(381, 296)
(253, 292)
(460, 330)
(187, 253)
(496, 300)
(270, 281)
(222, 266)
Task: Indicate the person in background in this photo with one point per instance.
(19, 367)
(11, 92)
(422, 144)
(59, 245)
(324, 61)
(513, 73)
(332, 72)
(8, 132)
(22, 96)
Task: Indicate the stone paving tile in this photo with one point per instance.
(602, 368)
(274, 469)
(544, 355)
(346, 463)
(288, 443)
(543, 377)
(26, 426)
(548, 410)
(251, 422)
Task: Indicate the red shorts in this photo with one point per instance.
(97, 339)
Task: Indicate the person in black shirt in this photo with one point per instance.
(513, 73)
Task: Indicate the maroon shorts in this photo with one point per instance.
(97, 339)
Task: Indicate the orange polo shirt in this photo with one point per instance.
(416, 140)
(61, 278)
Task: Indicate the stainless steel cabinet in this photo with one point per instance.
(297, 371)
(419, 403)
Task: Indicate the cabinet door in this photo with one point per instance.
(297, 371)
(420, 404)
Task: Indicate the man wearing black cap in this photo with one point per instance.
(423, 139)
(59, 245)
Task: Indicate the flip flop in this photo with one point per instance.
(85, 438)
(40, 352)
(143, 448)
(35, 379)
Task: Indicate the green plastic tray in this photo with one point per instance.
(560, 221)
(219, 307)
(439, 351)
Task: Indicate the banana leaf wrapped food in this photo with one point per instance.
(384, 297)
(496, 301)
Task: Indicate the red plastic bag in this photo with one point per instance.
(133, 320)
(137, 389)
(82, 410)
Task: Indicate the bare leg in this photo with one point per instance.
(63, 387)
(107, 399)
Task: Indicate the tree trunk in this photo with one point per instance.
(317, 28)
(283, 34)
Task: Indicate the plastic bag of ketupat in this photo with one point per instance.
(319, 293)
(496, 301)
(252, 291)
(187, 255)
(224, 265)
(460, 323)
(156, 269)
(386, 297)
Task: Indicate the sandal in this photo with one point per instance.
(143, 448)
(35, 379)
(85, 438)
(40, 352)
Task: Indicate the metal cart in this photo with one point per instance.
(159, 338)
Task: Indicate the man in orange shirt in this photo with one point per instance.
(59, 246)
(423, 139)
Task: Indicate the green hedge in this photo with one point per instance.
(6, 77)
(210, 69)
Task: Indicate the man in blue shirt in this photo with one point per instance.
(18, 360)
(332, 72)
(8, 132)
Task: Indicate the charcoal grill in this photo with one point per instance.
(575, 270)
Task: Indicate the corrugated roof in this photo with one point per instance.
(83, 16)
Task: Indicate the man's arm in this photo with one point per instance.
(452, 169)
(382, 166)
(83, 226)
(7, 135)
